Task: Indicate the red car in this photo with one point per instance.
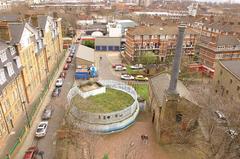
(66, 66)
(31, 153)
(69, 60)
(114, 65)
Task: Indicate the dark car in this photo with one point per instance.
(47, 113)
(66, 66)
(71, 55)
(56, 92)
(31, 153)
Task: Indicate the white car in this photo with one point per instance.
(59, 82)
(220, 115)
(120, 68)
(127, 77)
(137, 66)
(42, 129)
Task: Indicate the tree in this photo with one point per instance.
(89, 43)
(148, 58)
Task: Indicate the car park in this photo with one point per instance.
(59, 82)
(127, 77)
(69, 60)
(66, 66)
(120, 68)
(47, 113)
(141, 78)
(31, 153)
(56, 92)
(42, 129)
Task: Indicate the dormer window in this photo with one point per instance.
(10, 69)
(2, 77)
(12, 50)
(3, 55)
(17, 61)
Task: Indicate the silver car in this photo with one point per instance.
(47, 113)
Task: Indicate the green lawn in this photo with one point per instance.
(142, 90)
(112, 100)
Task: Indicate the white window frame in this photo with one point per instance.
(12, 50)
(10, 69)
(3, 55)
(2, 77)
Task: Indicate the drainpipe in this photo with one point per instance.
(4, 118)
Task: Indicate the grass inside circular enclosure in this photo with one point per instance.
(112, 100)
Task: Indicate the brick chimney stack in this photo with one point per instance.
(172, 89)
(4, 31)
(34, 20)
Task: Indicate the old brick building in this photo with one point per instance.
(227, 79)
(160, 40)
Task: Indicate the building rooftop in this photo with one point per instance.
(85, 53)
(112, 41)
(232, 66)
(160, 84)
(16, 31)
(158, 30)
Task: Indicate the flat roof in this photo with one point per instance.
(85, 53)
(233, 66)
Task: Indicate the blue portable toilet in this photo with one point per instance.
(93, 71)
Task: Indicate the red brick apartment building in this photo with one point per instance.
(220, 47)
(160, 40)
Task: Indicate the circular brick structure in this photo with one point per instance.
(104, 122)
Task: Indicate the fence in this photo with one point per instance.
(34, 107)
(105, 118)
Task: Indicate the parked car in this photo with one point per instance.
(114, 65)
(233, 133)
(69, 60)
(136, 67)
(71, 55)
(63, 74)
(141, 78)
(66, 66)
(42, 129)
(47, 113)
(127, 77)
(220, 115)
(120, 68)
(59, 82)
(31, 153)
(56, 92)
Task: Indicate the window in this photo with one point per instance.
(226, 91)
(10, 69)
(179, 118)
(17, 61)
(3, 55)
(2, 77)
(221, 72)
(238, 88)
(231, 81)
(12, 50)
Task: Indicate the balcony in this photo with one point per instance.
(146, 48)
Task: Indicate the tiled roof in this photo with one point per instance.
(158, 30)
(16, 31)
(160, 84)
(42, 20)
(227, 40)
(10, 18)
(232, 66)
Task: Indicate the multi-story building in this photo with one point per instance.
(227, 79)
(160, 40)
(30, 49)
(39, 44)
(221, 47)
(12, 94)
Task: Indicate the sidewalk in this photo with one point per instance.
(21, 120)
